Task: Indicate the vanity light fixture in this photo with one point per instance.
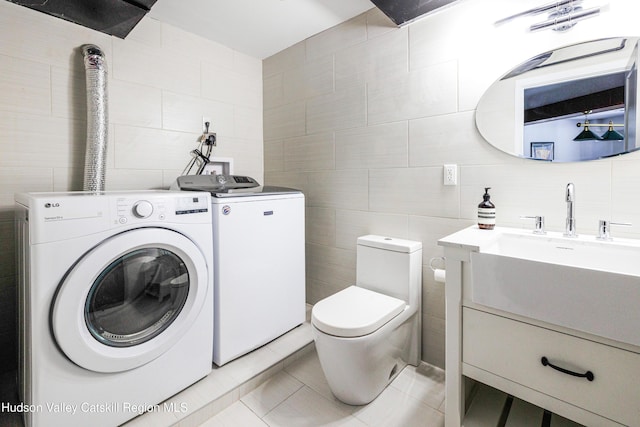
(540, 9)
(565, 18)
(563, 15)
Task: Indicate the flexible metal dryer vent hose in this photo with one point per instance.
(97, 118)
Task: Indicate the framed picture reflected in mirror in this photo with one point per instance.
(542, 151)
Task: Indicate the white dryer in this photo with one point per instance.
(115, 303)
(259, 261)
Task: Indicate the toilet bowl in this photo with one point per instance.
(367, 333)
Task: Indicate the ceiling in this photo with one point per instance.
(258, 28)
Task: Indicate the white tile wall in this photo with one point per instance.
(429, 91)
(346, 34)
(311, 152)
(289, 58)
(274, 155)
(342, 109)
(310, 79)
(403, 104)
(413, 191)
(624, 197)
(373, 60)
(321, 226)
(68, 98)
(334, 266)
(146, 148)
(25, 86)
(135, 105)
(381, 146)
(40, 141)
(160, 85)
(345, 189)
(436, 140)
(285, 121)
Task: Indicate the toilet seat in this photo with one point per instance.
(355, 312)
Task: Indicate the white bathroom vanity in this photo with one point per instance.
(548, 319)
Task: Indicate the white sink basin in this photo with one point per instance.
(580, 283)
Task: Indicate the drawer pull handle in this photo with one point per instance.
(588, 375)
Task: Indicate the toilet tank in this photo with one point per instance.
(390, 266)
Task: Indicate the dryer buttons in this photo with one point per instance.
(143, 209)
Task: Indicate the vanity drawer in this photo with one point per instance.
(513, 350)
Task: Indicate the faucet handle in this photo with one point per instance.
(539, 224)
(604, 229)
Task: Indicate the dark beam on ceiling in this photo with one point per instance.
(606, 99)
(113, 17)
(403, 11)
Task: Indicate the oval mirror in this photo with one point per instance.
(570, 104)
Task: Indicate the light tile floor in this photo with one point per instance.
(300, 396)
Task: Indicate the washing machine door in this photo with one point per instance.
(129, 299)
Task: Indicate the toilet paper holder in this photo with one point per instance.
(434, 259)
(439, 274)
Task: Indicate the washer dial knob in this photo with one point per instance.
(143, 209)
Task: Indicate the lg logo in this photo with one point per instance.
(52, 205)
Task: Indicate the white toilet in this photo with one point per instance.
(367, 333)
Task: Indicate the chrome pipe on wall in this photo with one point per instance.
(97, 118)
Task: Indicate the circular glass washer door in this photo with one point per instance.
(129, 299)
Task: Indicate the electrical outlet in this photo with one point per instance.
(450, 174)
(208, 134)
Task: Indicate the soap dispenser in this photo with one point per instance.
(486, 212)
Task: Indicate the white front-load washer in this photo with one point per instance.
(115, 303)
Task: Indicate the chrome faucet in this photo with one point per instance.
(570, 198)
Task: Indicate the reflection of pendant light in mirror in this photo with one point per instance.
(586, 134)
(611, 134)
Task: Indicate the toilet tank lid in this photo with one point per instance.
(389, 243)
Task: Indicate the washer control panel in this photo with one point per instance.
(62, 216)
(159, 208)
(140, 209)
(190, 204)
